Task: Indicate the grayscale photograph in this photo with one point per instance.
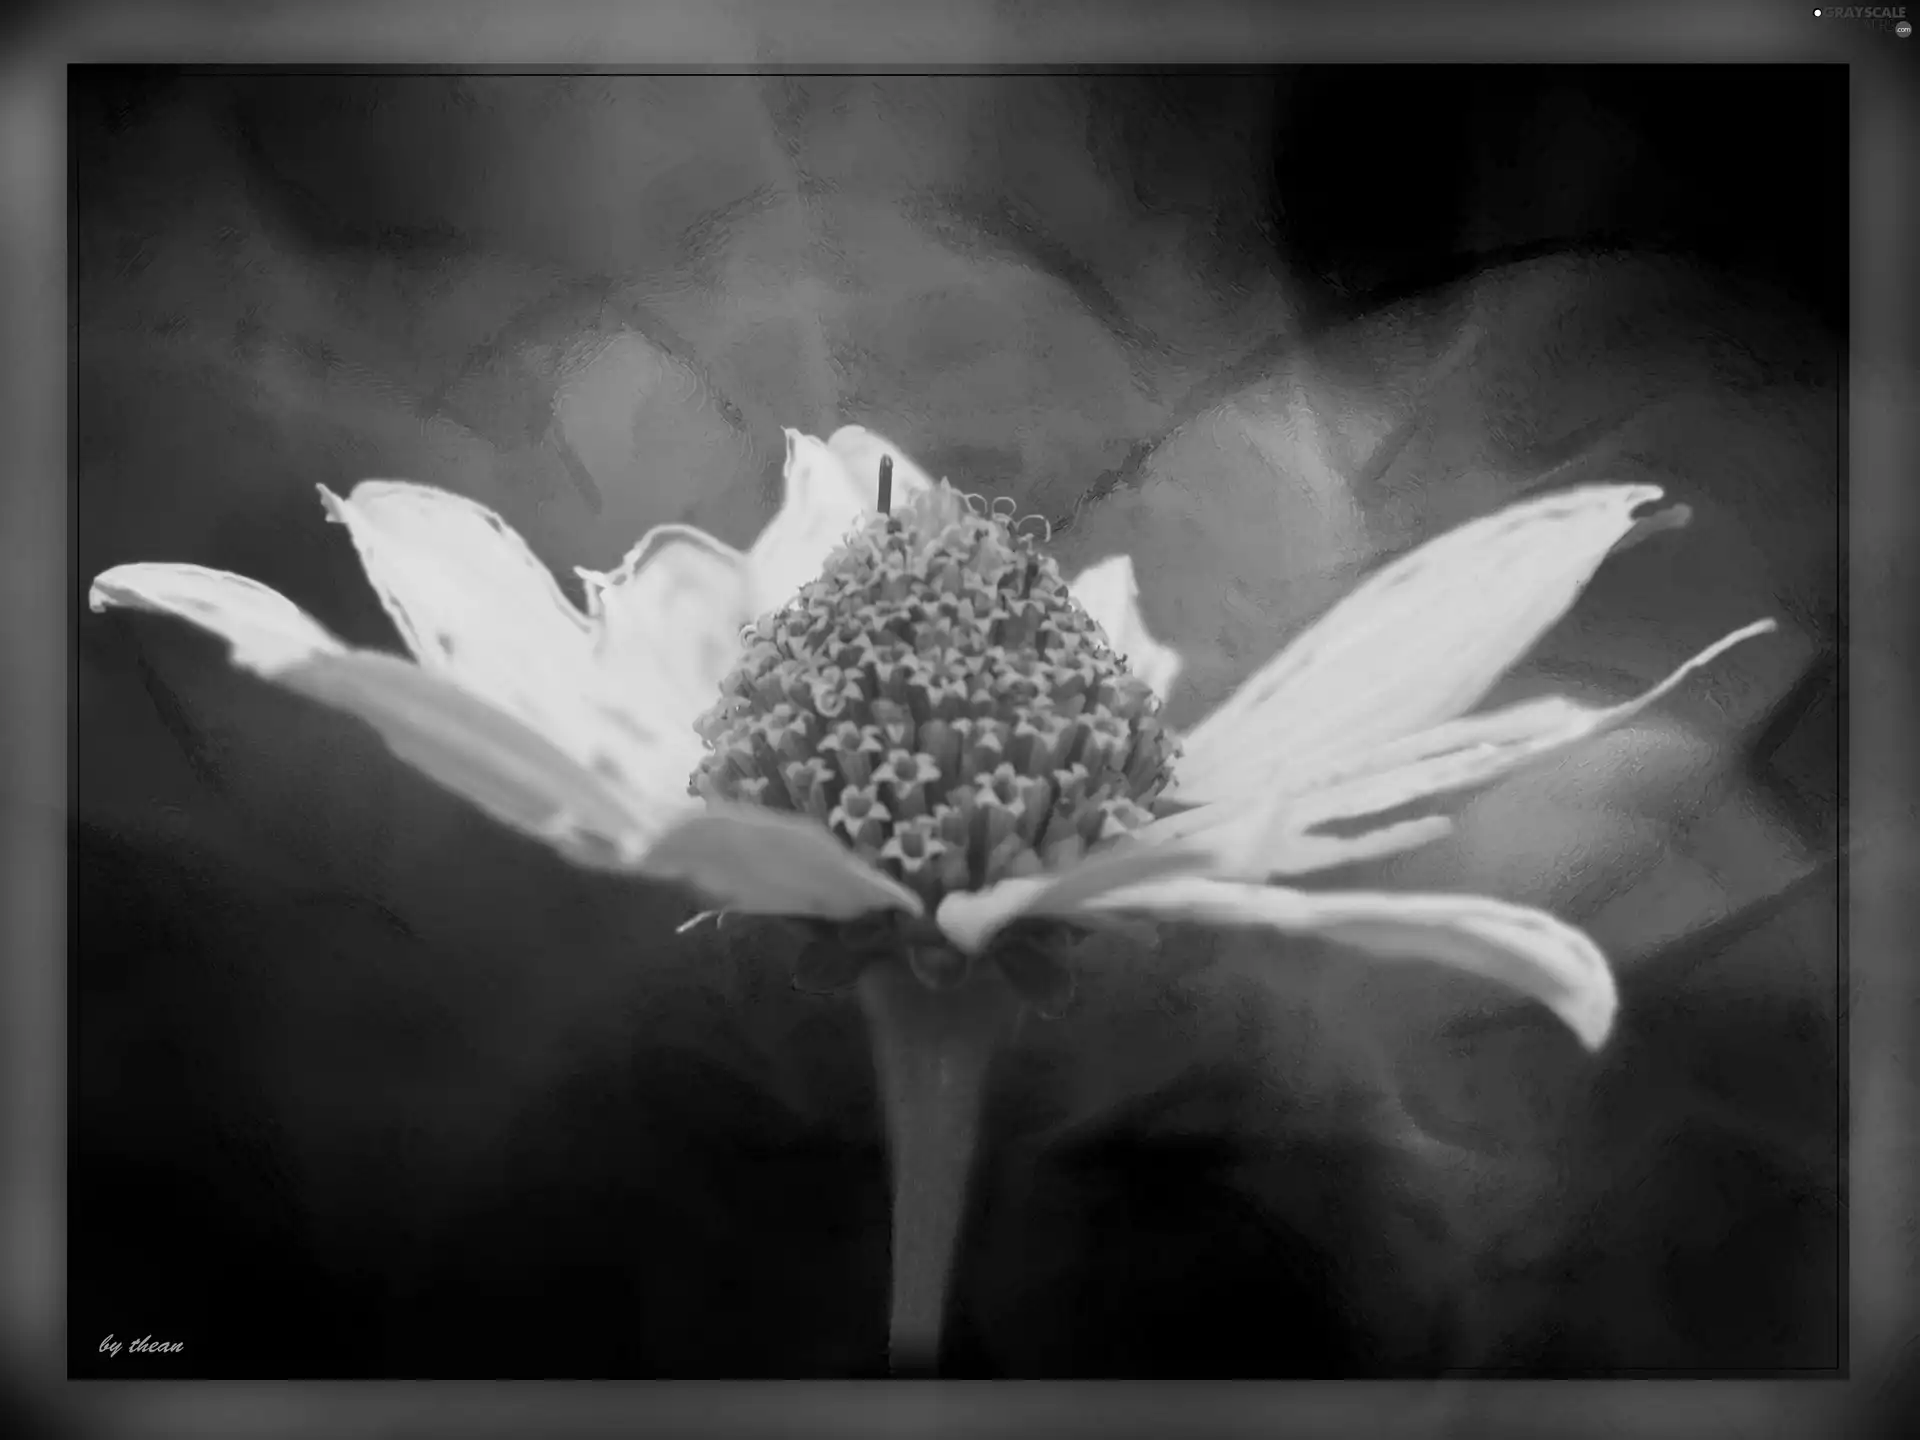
(1001, 723)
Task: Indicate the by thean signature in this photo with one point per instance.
(145, 1345)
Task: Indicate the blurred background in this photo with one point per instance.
(361, 1086)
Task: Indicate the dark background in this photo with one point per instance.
(361, 1087)
(1742, 166)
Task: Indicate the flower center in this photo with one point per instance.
(940, 702)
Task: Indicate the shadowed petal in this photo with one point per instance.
(473, 603)
(1110, 593)
(972, 918)
(1527, 950)
(464, 742)
(669, 619)
(265, 631)
(761, 862)
(1415, 645)
(486, 756)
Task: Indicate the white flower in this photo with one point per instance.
(750, 725)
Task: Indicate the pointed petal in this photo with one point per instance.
(859, 452)
(1110, 593)
(972, 918)
(265, 631)
(669, 621)
(760, 862)
(472, 602)
(1266, 836)
(1525, 949)
(1479, 749)
(820, 506)
(1417, 644)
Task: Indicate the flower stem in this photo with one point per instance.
(932, 1050)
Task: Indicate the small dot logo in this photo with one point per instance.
(1903, 29)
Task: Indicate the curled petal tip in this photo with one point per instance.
(1595, 1029)
(335, 507)
(1654, 522)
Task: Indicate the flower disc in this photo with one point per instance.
(942, 704)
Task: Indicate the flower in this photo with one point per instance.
(911, 719)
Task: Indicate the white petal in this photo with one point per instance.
(463, 741)
(1479, 749)
(473, 603)
(669, 620)
(1110, 593)
(1525, 949)
(1263, 836)
(1253, 841)
(1417, 644)
(762, 862)
(265, 631)
(860, 451)
(820, 506)
(972, 918)
(483, 754)
(830, 488)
